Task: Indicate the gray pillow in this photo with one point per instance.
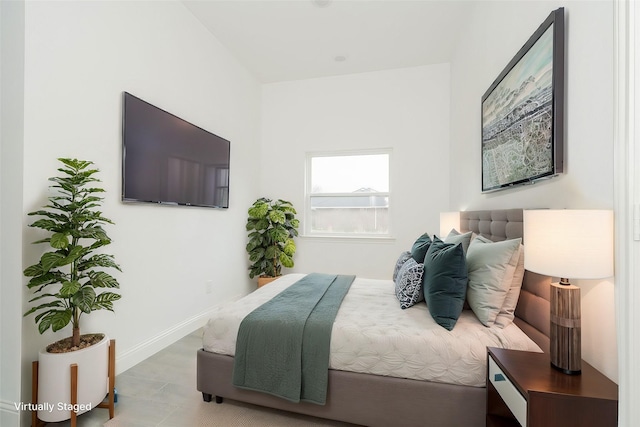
(404, 256)
(455, 236)
(491, 267)
(409, 284)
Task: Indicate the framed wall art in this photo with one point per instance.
(523, 112)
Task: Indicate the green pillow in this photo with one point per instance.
(445, 282)
(492, 266)
(420, 247)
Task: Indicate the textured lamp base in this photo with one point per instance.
(565, 342)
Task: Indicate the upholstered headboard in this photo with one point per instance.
(532, 311)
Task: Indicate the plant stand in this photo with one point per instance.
(108, 403)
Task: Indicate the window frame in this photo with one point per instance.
(308, 194)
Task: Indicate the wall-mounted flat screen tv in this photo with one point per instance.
(523, 112)
(167, 160)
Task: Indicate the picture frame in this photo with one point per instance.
(522, 112)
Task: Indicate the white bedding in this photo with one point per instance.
(373, 335)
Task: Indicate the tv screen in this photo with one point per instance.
(168, 160)
(523, 112)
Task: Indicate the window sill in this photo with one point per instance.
(350, 239)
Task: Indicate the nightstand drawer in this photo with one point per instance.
(509, 393)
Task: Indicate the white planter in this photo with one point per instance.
(54, 380)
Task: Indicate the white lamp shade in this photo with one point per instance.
(572, 244)
(449, 220)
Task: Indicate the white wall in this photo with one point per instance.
(627, 192)
(80, 57)
(496, 31)
(11, 135)
(405, 109)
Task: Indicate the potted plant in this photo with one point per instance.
(272, 226)
(67, 281)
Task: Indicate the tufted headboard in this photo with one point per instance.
(532, 311)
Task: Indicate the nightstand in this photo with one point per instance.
(524, 389)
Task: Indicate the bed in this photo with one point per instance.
(361, 392)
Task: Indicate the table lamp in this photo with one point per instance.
(568, 244)
(449, 221)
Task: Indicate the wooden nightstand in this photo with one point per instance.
(523, 389)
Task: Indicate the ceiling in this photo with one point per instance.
(301, 39)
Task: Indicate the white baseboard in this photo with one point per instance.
(151, 346)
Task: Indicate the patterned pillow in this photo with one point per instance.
(404, 256)
(409, 284)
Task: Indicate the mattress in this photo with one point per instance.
(373, 335)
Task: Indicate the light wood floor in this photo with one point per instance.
(161, 391)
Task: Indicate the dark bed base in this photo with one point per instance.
(359, 398)
(207, 398)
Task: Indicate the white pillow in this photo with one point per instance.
(507, 312)
(491, 266)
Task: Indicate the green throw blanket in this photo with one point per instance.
(283, 345)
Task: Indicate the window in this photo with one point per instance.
(348, 194)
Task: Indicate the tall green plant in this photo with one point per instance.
(272, 226)
(68, 276)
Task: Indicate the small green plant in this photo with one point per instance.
(272, 226)
(76, 232)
